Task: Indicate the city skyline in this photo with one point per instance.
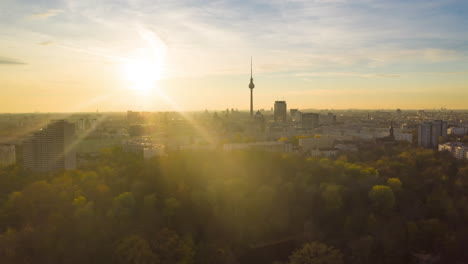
(63, 56)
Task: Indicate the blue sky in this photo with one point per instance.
(351, 54)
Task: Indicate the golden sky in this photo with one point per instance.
(67, 56)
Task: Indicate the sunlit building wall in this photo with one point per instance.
(7, 155)
(457, 149)
(429, 133)
(51, 149)
(310, 120)
(280, 114)
(268, 146)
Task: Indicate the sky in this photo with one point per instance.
(156, 55)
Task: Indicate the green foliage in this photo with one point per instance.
(316, 253)
(394, 184)
(361, 249)
(378, 204)
(382, 198)
(135, 250)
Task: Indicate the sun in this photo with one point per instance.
(145, 66)
(142, 74)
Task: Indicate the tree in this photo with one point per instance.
(332, 197)
(124, 205)
(135, 250)
(171, 205)
(361, 249)
(382, 198)
(395, 184)
(171, 249)
(316, 253)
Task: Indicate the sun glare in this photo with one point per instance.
(143, 75)
(146, 65)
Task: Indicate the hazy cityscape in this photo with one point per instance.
(233, 132)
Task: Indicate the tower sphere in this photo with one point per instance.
(251, 85)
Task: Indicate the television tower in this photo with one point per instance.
(251, 87)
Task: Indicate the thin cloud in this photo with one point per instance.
(8, 61)
(446, 73)
(346, 74)
(46, 43)
(47, 14)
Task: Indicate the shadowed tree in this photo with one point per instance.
(316, 253)
(382, 198)
(135, 250)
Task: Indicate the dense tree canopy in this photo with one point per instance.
(381, 205)
(316, 253)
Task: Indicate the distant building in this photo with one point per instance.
(280, 114)
(292, 114)
(298, 117)
(346, 147)
(259, 121)
(7, 155)
(390, 139)
(316, 143)
(328, 119)
(323, 152)
(408, 137)
(429, 133)
(310, 120)
(144, 147)
(458, 131)
(51, 149)
(268, 146)
(153, 151)
(134, 117)
(457, 149)
(425, 135)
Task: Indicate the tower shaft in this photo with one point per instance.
(251, 102)
(251, 87)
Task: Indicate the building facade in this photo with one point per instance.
(327, 119)
(51, 149)
(429, 133)
(309, 120)
(457, 149)
(280, 113)
(267, 146)
(7, 155)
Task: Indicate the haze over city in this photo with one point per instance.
(233, 132)
(78, 56)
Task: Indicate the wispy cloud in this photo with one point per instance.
(9, 61)
(46, 43)
(447, 73)
(346, 74)
(292, 36)
(47, 14)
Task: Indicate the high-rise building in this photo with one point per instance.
(439, 130)
(298, 117)
(429, 133)
(251, 87)
(292, 114)
(280, 111)
(310, 120)
(51, 149)
(259, 122)
(328, 119)
(7, 155)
